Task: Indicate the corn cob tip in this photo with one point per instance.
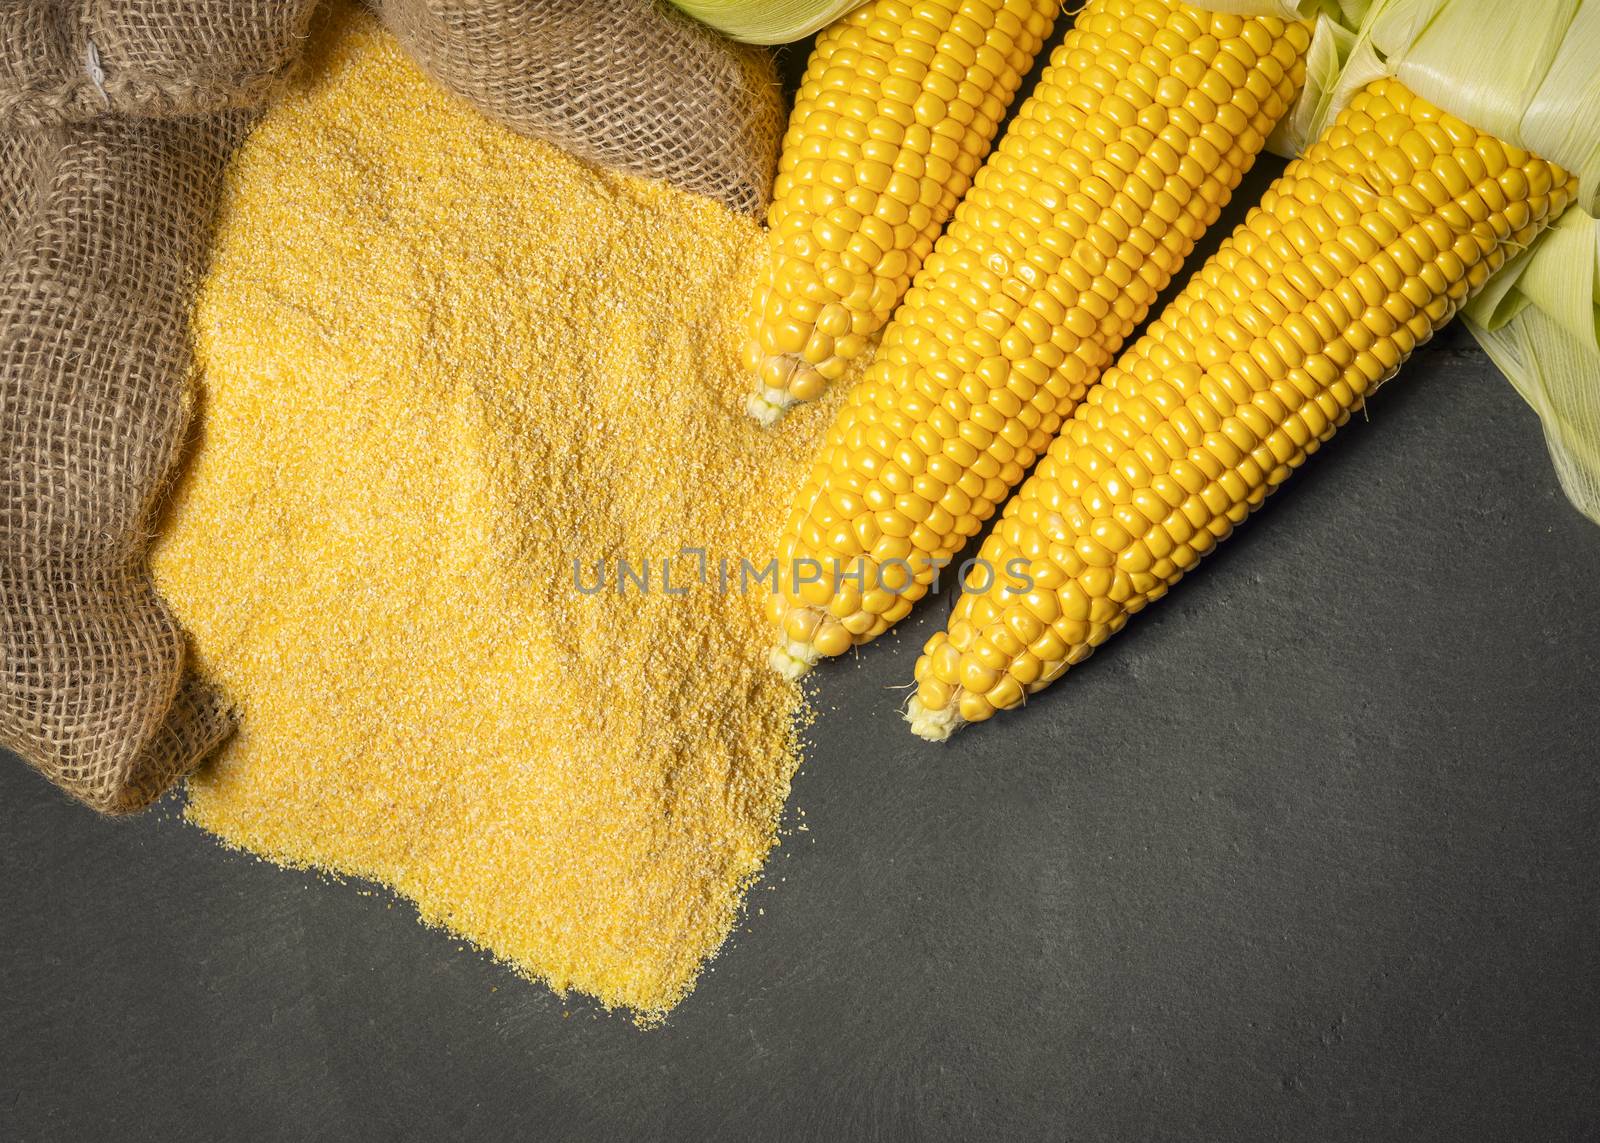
(806, 635)
(933, 725)
(793, 660)
(768, 406)
(783, 379)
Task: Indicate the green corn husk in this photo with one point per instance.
(1539, 321)
(767, 21)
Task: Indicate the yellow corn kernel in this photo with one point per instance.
(1281, 415)
(1054, 256)
(887, 131)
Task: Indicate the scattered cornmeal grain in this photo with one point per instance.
(440, 363)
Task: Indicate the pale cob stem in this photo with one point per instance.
(899, 105)
(1366, 246)
(1146, 119)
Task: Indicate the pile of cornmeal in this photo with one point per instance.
(445, 369)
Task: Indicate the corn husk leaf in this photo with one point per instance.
(1539, 321)
(767, 21)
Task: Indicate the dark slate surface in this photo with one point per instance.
(1311, 851)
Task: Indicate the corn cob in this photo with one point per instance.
(1146, 119)
(898, 107)
(1355, 256)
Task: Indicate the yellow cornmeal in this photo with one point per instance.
(440, 362)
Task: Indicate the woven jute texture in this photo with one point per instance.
(103, 236)
(117, 118)
(116, 124)
(73, 60)
(633, 85)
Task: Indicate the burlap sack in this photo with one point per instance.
(105, 208)
(103, 236)
(116, 121)
(634, 85)
(73, 60)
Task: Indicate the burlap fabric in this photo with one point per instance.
(116, 121)
(72, 60)
(633, 85)
(103, 235)
(114, 131)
